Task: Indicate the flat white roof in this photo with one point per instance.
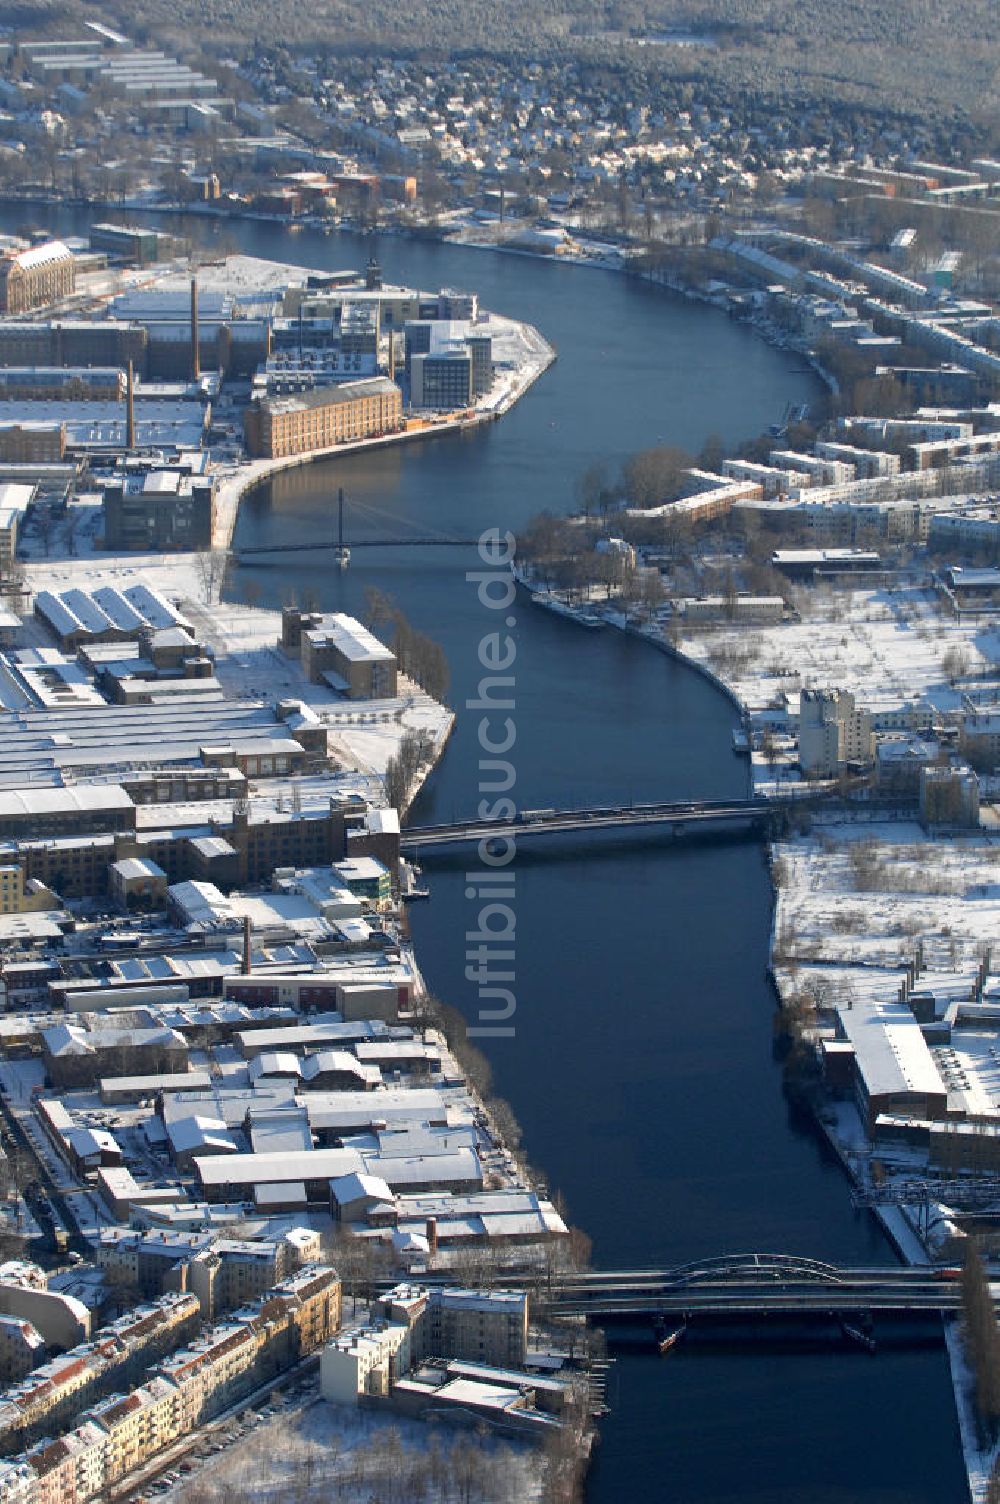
(890, 1050)
(278, 1167)
(83, 797)
(352, 639)
(137, 866)
(15, 497)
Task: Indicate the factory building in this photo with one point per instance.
(337, 650)
(33, 278)
(32, 443)
(62, 384)
(159, 510)
(320, 419)
(90, 808)
(105, 342)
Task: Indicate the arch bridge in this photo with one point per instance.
(751, 1284)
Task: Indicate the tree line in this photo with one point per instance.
(982, 1339)
(419, 657)
(401, 770)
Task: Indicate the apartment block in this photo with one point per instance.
(117, 1356)
(833, 732)
(21, 1349)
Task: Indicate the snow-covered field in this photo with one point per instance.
(175, 575)
(856, 895)
(890, 648)
(326, 1453)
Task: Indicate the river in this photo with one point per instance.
(641, 1066)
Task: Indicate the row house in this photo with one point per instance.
(138, 1425)
(117, 1356)
(224, 1365)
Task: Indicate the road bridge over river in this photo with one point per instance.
(700, 815)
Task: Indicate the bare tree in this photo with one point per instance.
(654, 476)
(210, 564)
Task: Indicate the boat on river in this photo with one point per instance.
(667, 1340)
(409, 888)
(858, 1335)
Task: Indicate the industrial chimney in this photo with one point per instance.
(130, 409)
(246, 945)
(195, 356)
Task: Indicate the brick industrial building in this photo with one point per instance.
(278, 426)
(33, 278)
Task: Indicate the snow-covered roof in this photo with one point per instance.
(890, 1050)
(197, 1133)
(42, 255)
(359, 1187)
(83, 797)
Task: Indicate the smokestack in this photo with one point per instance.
(246, 945)
(195, 356)
(432, 1236)
(130, 409)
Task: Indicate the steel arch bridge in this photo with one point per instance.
(755, 1266)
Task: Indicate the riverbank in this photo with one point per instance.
(237, 480)
(641, 1065)
(871, 940)
(598, 255)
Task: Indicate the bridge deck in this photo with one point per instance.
(690, 816)
(763, 1302)
(754, 1285)
(254, 550)
(549, 822)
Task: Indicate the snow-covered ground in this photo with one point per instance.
(979, 1459)
(174, 575)
(856, 895)
(887, 647)
(326, 1452)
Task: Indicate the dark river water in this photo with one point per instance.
(641, 1064)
